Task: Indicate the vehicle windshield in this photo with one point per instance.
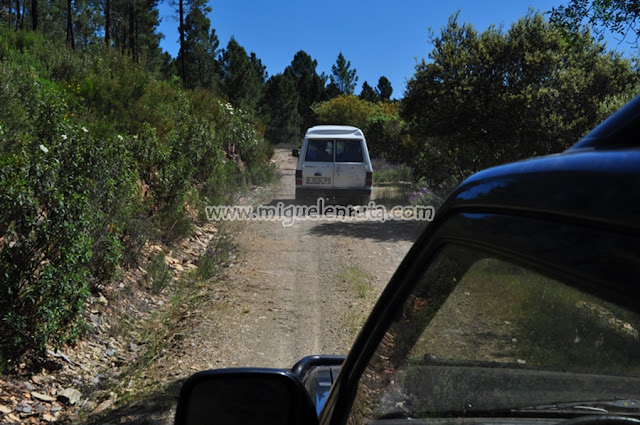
(481, 335)
(348, 151)
(319, 151)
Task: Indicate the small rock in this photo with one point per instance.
(102, 300)
(29, 387)
(23, 408)
(42, 397)
(4, 409)
(48, 418)
(111, 352)
(107, 404)
(69, 396)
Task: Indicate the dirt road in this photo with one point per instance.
(287, 298)
(294, 291)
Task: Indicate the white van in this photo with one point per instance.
(334, 163)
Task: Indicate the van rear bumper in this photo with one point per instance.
(340, 196)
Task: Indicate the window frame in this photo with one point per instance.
(536, 242)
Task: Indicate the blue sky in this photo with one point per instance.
(378, 37)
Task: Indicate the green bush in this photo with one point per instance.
(96, 158)
(46, 249)
(159, 272)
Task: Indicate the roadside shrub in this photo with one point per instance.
(159, 272)
(45, 252)
(426, 195)
(386, 172)
(216, 255)
(96, 158)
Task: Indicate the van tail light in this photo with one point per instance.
(298, 177)
(368, 182)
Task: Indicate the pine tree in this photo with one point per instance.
(368, 93)
(198, 53)
(279, 109)
(384, 89)
(343, 77)
(242, 77)
(310, 86)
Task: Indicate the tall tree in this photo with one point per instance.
(107, 23)
(260, 69)
(619, 16)
(368, 93)
(495, 97)
(384, 89)
(70, 36)
(183, 66)
(34, 15)
(241, 76)
(279, 109)
(18, 17)
(310, 85)
(343, 76)
(198, 53)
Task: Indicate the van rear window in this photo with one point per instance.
(319, 151)
(348, 151)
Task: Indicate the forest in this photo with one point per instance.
(107, 142)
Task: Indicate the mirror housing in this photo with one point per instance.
(295, 152)
(244, 396)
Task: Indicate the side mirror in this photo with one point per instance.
(244, 396)
(295, 152)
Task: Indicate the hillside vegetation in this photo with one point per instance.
(97, 156)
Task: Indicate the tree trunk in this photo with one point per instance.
(182, 46)
(34, 15)
(132, 39)
(107, 25)
(70, 37)
(17, 14)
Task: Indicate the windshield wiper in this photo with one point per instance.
(601, 406)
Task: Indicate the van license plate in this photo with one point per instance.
(318, 180)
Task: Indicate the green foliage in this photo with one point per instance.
(384, 89)
(618, 16)
(345, 110)
(216, 255)
(200, 48)
(159, 273)
(368, 93)
(384, 129)
(96, 158)
(242, 76)
(46, 239)
(496, 97)
(386, 172)
(343, 76)
(280, 109)
(309, 86)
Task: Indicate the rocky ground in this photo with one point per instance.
(283, 293)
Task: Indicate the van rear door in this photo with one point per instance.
(350, 167)
(318, 167)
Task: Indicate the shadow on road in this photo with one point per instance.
(154, 408)
(387, 231)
